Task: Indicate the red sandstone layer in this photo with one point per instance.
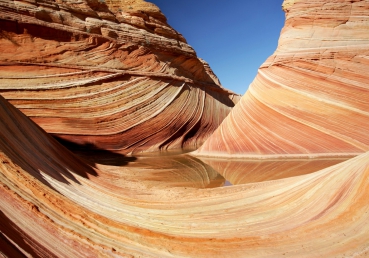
(311, 97)
(112, 74)
(52, 204)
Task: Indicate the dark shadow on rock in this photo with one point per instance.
(93, 155)
(29, 147)
(220, 95)
(5, 36)
(13, 238)
(8, 27)
(7, 248)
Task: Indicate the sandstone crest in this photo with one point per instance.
(112, 74)
(311, 97)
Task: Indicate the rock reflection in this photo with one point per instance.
(177, 171)
(251, 171)
(182, 170)
(162, 171)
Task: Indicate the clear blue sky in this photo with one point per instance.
(235, 37)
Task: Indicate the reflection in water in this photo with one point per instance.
(227, 183)
(179, 170)
(187, 171)
(155, 170)
(251, 171)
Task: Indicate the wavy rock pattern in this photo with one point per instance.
(54, 205)
(311, 97)
(160, 171)
(109, 73)
(251, 171)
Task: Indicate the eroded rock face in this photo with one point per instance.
(111, 74)
(54, 205)
(311, 97)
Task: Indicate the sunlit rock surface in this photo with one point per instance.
(54, 205)
(109, 73)
(259, 170)
(311, 97)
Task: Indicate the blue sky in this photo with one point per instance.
(235, 37)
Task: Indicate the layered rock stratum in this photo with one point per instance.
(54, 205)
(109, 74)
(238, 171)
(311, 97)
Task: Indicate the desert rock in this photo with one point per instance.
(311, 97)
(112, 74)
(53, 204)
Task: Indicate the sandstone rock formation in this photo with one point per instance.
(260, 170)
(54, 205)
(112, 74)
(311, 97)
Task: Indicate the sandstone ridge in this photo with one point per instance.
(311, 97)
(112, 74)
(53, 204)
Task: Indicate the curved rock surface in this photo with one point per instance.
(311, 97)
(251, 171)
(54, 205)
(112, 74)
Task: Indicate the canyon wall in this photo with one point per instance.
(54, 205)
(108, 74)
(311, 97)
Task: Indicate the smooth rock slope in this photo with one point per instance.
(54, 205)
(311, 97)
(112, 74)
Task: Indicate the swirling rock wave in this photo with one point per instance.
(112, 74)
(311, 97)
(54, 205)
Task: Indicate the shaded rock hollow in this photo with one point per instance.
(111, 74)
